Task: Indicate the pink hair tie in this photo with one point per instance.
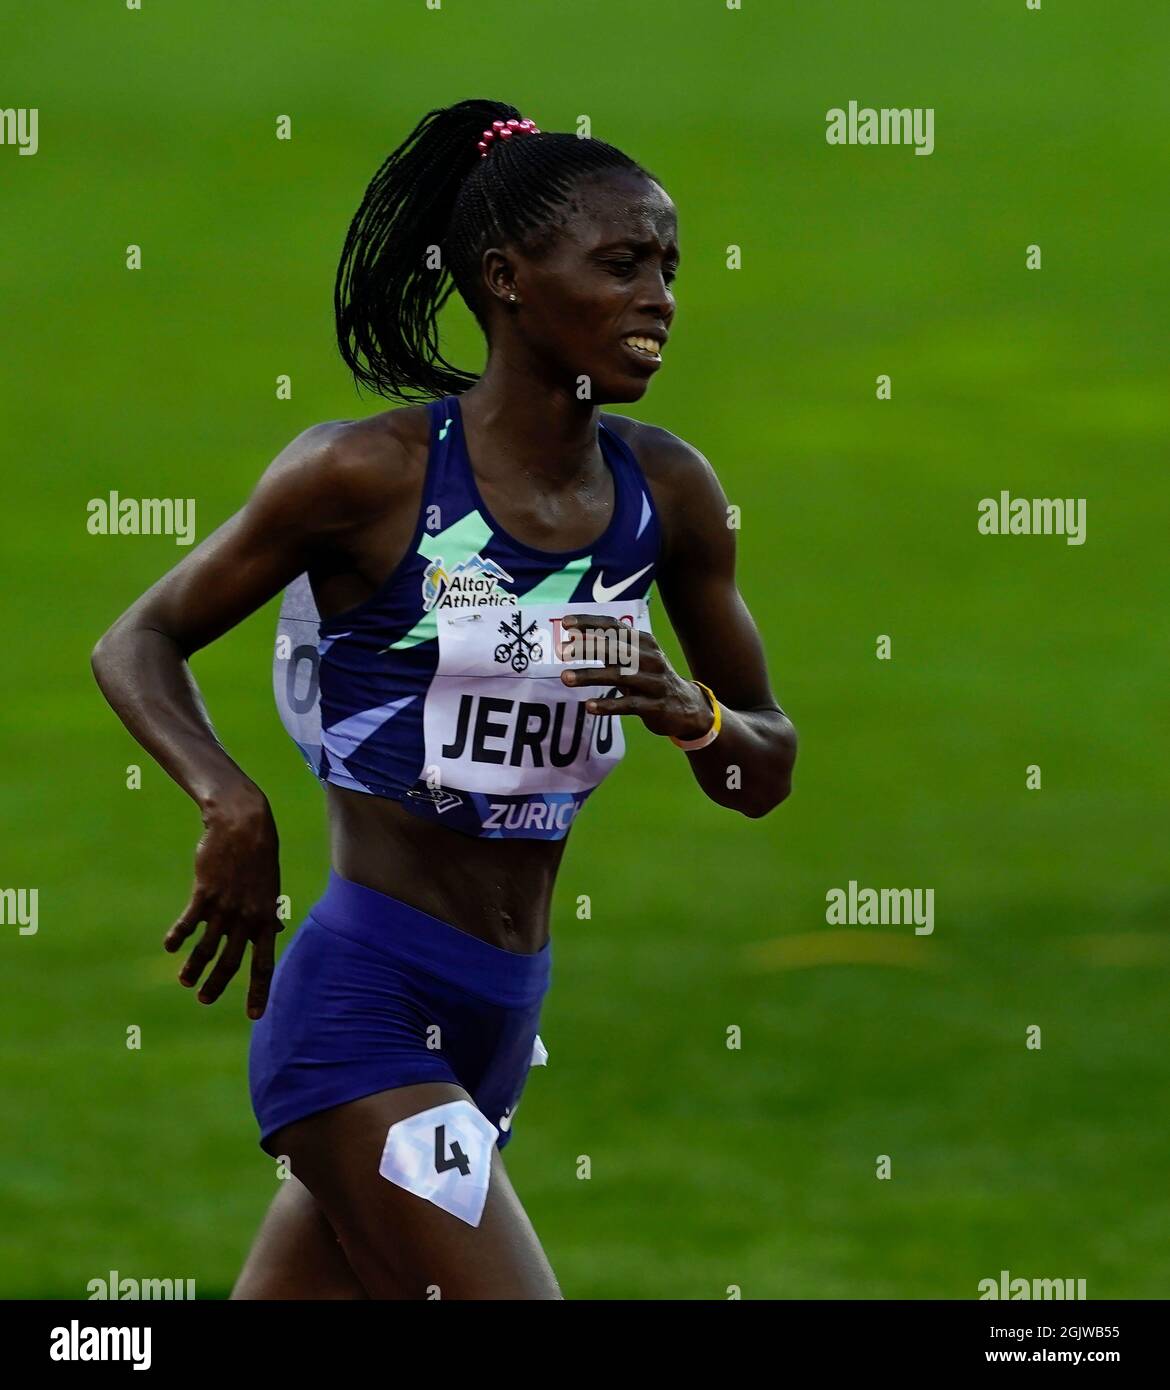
(505, 130)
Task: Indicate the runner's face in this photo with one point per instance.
(598, 304)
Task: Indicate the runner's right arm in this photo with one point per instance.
(311, 499)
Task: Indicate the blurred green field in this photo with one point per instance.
(711, 1167)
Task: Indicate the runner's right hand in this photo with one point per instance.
(237, 881)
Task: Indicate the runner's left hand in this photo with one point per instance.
(666, 702)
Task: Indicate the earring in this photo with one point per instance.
(511, 299)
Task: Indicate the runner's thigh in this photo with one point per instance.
(401, 1245)
(296, 1253)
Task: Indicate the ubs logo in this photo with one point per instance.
(517, 650)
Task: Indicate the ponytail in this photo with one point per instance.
(428, 215)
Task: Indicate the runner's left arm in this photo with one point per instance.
(749, 765)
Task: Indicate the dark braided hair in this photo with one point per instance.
(436, 191)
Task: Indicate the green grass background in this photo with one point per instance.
(710, 1167)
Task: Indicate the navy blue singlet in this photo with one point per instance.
(442, 690)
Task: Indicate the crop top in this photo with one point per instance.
(442, 690)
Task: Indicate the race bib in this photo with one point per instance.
(499, 719)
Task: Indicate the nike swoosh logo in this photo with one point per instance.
(607, 594)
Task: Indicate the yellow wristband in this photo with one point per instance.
(688, 745)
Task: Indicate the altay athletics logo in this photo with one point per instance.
(473, 583)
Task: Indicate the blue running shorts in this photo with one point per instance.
(373, 994)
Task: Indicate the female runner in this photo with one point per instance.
(465, 615)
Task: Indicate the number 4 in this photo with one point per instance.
(458, 1158)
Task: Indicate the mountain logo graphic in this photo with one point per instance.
(473, 583)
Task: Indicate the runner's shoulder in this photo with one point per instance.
(672, 467)
(355, 468)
